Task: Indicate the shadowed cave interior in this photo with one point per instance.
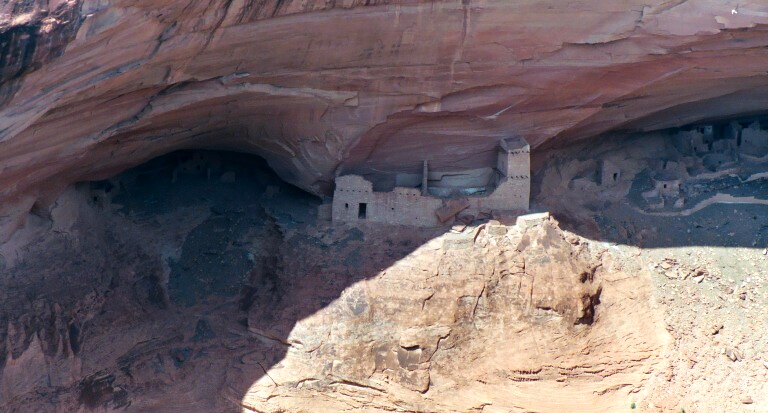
(209, 233)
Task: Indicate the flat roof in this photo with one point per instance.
(514, 144)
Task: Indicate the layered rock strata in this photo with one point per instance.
(90, 88)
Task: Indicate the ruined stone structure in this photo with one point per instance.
(706, 149)
(610, 173)
(731, 140)
(513, 188)
(355, 199)
(754, 140)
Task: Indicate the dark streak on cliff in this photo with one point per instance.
(24, 48)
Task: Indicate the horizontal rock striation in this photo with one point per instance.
(90, 88)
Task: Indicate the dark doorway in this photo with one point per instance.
(362, 210)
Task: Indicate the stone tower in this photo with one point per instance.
(514, 158)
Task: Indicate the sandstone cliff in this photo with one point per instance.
(220, 295)
(316, 87)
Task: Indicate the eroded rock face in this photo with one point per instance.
(201, 282)
(170, 287)
(489, 321)
(90, 88)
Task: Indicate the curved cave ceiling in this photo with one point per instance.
(317, 88)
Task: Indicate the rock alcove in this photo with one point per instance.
(134, 281)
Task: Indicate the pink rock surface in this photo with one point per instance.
(322, 87)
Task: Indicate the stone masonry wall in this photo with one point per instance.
(402, 206)
(355, 200)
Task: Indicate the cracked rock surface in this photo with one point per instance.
(222, 300)
(506, 322)
(89, 88)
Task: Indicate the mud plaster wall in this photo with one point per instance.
(403, 206)
(514, 189)
(511, 194)
(610, 173)
(354, 198)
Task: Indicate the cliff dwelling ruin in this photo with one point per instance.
(436, 201)
(316, 206)
(683, 167)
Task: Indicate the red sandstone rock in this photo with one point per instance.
(317, 87)
(88, 88)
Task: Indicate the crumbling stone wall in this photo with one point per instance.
(514, 188)
(355, 200)
(610, 173)
(511, 194)
(754, 140)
